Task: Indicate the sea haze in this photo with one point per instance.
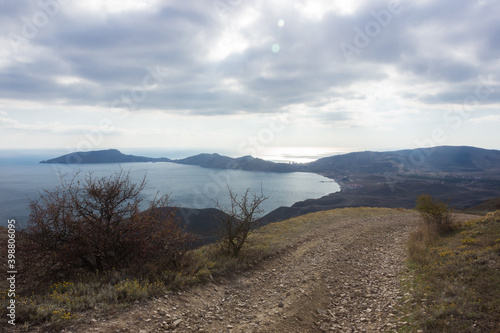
(23, 179)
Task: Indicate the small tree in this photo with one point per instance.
(436, 214)
(238, 219)
(96, 225)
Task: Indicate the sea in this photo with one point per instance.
(23, 179)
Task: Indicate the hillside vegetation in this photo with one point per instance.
(454, 282)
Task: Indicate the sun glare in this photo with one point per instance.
(298, 154)
(229, 43)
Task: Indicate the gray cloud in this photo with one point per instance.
(110, 55)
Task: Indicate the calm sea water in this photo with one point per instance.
(22, 179)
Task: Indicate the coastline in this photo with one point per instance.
(392, 191)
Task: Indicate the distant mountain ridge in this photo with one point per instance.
(461, 159)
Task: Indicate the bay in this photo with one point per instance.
(188, 186)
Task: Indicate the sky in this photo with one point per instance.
(249, 77)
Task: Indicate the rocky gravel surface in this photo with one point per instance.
(344, 277)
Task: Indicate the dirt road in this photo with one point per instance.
(340, 278)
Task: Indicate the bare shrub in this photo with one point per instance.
(238, 220)
(95, 225)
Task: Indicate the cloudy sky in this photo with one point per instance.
(249, 76)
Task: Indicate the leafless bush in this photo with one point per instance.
(238, 220)
(95, 225)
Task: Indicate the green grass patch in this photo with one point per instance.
(454, 280)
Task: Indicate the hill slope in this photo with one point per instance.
(424, 160)
(488, 206)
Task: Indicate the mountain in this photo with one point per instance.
(242, 163)
(102, 156)
(449, 159)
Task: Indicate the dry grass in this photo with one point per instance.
(454, 280)
(419, 242)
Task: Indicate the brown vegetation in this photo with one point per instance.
(95, 225)
(436, 215)
(454, 278)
